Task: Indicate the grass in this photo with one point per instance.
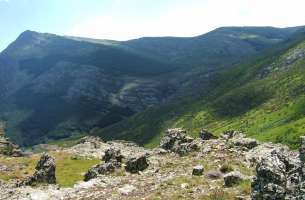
(68, 170)
(268, 109)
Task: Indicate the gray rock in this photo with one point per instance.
(112, 160)
(232, 134)
(206, 135)
(177, 141)
(104, 168)
(6, 146)
(174, 137)
(213, 174)
(248, 143)
(198, 170)
(113, 154)
(126, 189)
(278, 177)
(233, 178)
(238, 139)
(184, 148)
(45, 171)
(136, 164)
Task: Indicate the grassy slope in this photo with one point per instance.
(68, 170)
(270, 109)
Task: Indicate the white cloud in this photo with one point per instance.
(192, 18)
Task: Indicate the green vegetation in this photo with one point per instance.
(264, 97)
(69, 86)
(68, 170)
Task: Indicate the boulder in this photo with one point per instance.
(45, 171)
(104, 168)
(113, 155)
(136, 164)
(174, 137)
(248, 143)
(6, 146)
(213, 174)
(184, 148)
(238, 139)
(232, 134)
(233, 178)
(206, 135)
(198, 170)
(278, 177)
(177, 141)
(112, 160)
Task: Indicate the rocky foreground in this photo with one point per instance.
(229, 167)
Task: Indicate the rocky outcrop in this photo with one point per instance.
(234, 178)
(6, 146)
(177, 141)
(136, 164)
(104, 168)
(112, 160)
(113, 155)
(280, 175)
(206, 135)
(238, 139)
(45, 171)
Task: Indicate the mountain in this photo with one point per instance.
(54, 87)
(262, 96)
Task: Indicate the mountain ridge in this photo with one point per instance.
(56, 87)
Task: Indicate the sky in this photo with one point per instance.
(129, 19)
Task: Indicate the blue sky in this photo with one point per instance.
(127, 19)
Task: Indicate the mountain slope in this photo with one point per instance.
(50, 81)
(54, 87)
(263, 97)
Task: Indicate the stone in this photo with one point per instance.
(136, 164)
(206, 135)
(104, 168)
(184, 185)
(184, 148)
(238, 139)
(248, 143)
(6, 146)
(112, 160)
(233, 178)
(278, 176)
(45, 171)
(113, 154)
(198, 170)
(232, 134)
(213, 174)
(177, 141)
(126, 189)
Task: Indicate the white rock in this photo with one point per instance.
(127, 189)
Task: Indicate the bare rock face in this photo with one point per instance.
(137, 164)
(45, 171)
(177, 141)
(206, 135)
(279, 176)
